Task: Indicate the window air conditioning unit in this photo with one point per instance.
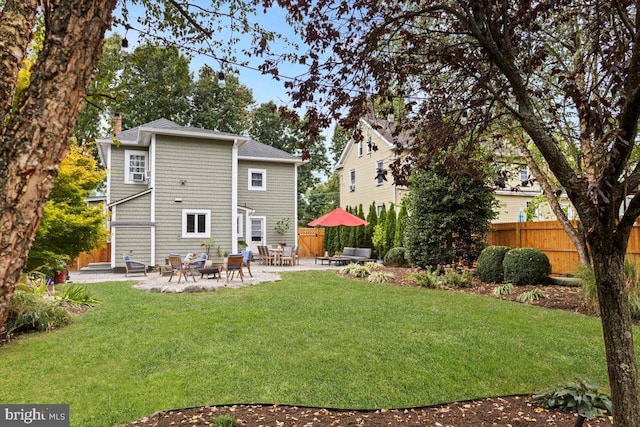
(137, 177)
(352, 187)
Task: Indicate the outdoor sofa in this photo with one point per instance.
(359, 255)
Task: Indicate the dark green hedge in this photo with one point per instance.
(490, 264)
(526, 266)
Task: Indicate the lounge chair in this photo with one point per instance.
(131, 266)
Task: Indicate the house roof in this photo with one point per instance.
(248, 149)
(381, 127)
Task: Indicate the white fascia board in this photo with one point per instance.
(272, 160)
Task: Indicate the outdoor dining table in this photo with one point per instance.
(277, 255)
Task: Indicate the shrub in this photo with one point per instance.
(531, 296)
(76, 295)
(490, 268)
(506, 289)
(395, 257)
(379, 277)
(30, 312)
(372, 265)
(454, 279)
(526, 266)
(355, 270)
(425, 279)
(589, 293)
(580, 396)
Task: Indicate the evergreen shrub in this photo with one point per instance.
(396, 257)
(526, 266)
(490, 264)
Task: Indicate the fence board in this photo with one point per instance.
(96, 255)
(311, 241)
(550, 238)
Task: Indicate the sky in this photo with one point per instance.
(265, 88)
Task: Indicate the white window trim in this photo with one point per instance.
(240, 225)
(127, 156)
(360, 148)
(250, 187)
(207, 223)
(369, 144)
(352, 180)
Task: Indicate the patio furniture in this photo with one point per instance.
(287, 256)
(198, 263)
(235, 263)
(246, 255)
(275, 255)
(213, 270)
(177, 265)
(131, 266)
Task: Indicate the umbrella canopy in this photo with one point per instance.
(337, 217)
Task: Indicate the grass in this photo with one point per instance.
(312, 339)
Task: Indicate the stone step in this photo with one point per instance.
(97, 267)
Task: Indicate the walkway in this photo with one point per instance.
(154, 282)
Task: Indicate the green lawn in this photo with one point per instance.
(311, 339)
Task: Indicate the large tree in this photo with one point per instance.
(565, 72)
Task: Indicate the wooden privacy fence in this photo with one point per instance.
(550, 238)
(96, 255)
(311, 241)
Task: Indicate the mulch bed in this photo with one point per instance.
(514, 411)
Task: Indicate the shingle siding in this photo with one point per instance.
(277, 202)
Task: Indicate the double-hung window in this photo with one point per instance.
(257, 179)
(135, 166)
(379, 172)
(196, 223)
(352, 180)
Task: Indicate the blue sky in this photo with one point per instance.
(265, 88)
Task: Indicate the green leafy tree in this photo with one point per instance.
(319, 199)
(390, 228)
(271, 127)
(224, 110)
(379, 242)
(398, 239)
(360, 230)
(69, 226)
(372, 219)
(339, 141)
(448, 217)
(158, 84)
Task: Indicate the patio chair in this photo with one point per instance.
(235, 263)
(287, 256)
(296, 255)
(198, 263)
(131, 266)
(246, 255)
(175, 261)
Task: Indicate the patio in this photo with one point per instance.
(154, 282)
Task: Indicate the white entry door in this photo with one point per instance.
(258, 233)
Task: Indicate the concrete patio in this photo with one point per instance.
(154, 282)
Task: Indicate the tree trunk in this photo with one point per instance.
(608, 248)
(35, 138)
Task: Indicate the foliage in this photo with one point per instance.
(506, 289)
(379, 277)
(398, 239)
(456, 279)
(282, 226)
(372, 219)
(339, 141)
(490, 268)
(76, 295)
(223, 421)
(355, 270)
(526, 266)
(448, 218)
(579, 396)
(389, 228)
(319, 199)
(69, 226)
(31, 312)
(531, 296)
(426, 279)
(378, 239)
(396, 257)
(533, 206)
(589, 294)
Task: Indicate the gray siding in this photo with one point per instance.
(277, 202)
(134, 241)
(120, 190)
(205, 167)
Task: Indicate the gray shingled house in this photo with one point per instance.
(170, 187)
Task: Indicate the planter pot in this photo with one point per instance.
(60, 278)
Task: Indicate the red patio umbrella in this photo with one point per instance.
(337, 217)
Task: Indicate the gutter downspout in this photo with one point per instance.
(234, 197)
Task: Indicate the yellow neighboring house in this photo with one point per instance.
(362, 167)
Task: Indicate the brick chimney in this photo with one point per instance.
(117, 123)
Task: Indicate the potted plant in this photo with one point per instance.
(282, 226)
(242, 245)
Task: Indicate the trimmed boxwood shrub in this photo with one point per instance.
(526, 266)
(395, 257)
(490, 264)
